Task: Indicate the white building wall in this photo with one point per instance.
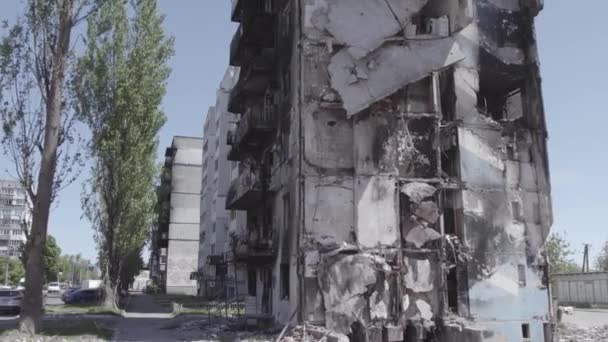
(184, 219)
(216, 178)
(14, 210)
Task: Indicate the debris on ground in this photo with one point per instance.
(570, 333)
(310, 333)
(224, 329)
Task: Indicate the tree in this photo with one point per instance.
(51, 259)
(34, 62)
(120, 86)
(601, 262)
(74, 268)
(133, 265)
(560, 255)
(15, 270)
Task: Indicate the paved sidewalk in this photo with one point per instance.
(145, 320)
(144, 306)
(145, 329)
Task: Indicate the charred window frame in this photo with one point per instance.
(447, 93)
(284, 38)
(420, 96)
(251, 281)
(456, 275)
(453, 213)
(501, 104)
(450, 153)
(285, 281)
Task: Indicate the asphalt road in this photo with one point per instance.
(49, 300)
(53, 299)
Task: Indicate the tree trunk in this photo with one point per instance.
(32, 302)
(109, 299)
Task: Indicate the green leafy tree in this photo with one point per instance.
(601, 263)
(51, 258)
(120, 86)
(75, 268)
(133, 265)
(34, 64)
(559, 253)
(15, 271)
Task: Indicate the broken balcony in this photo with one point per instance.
(255, 34)
(236, 12)
(244, 192)
(253, 131)
(254, 78)
(256, 250)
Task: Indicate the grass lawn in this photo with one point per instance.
(78, 309)
(77, 330)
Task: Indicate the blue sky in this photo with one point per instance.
(572, 42)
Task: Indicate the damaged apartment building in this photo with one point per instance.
(392, 167)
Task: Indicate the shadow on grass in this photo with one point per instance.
(82, 329)
(79, 309)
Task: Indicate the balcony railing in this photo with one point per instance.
(254, 130)
(215, 260)
(244, 192)
(256, 249)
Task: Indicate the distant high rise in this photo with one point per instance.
(174, 252)
(14, 217)
(215, 274)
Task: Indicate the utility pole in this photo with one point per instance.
(586, 258)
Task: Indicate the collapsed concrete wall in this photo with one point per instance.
(406, 170)
(435, 164)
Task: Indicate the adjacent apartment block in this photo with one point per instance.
(393, 167)
(215, 274)
(14, 217)
(175, 242)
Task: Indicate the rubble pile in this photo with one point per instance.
(228, 330)
(570, 333)
(312, 333)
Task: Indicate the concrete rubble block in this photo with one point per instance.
(309, 332)
(427, 211)
(363, 25)
(341, 317)
(392, 333)
(379, 303)
(374, 334)
(347, 276)
(388, 69)
(426, 312)
(420, 235)
(346, 282)
(419, 276)
(330, 200)
(417, 191)
(376, 218)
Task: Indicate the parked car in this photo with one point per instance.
(54, 288)
(63, 287)
(10, 301)
(72, 289)
(85, 296)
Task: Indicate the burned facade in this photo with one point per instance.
(393, 167)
